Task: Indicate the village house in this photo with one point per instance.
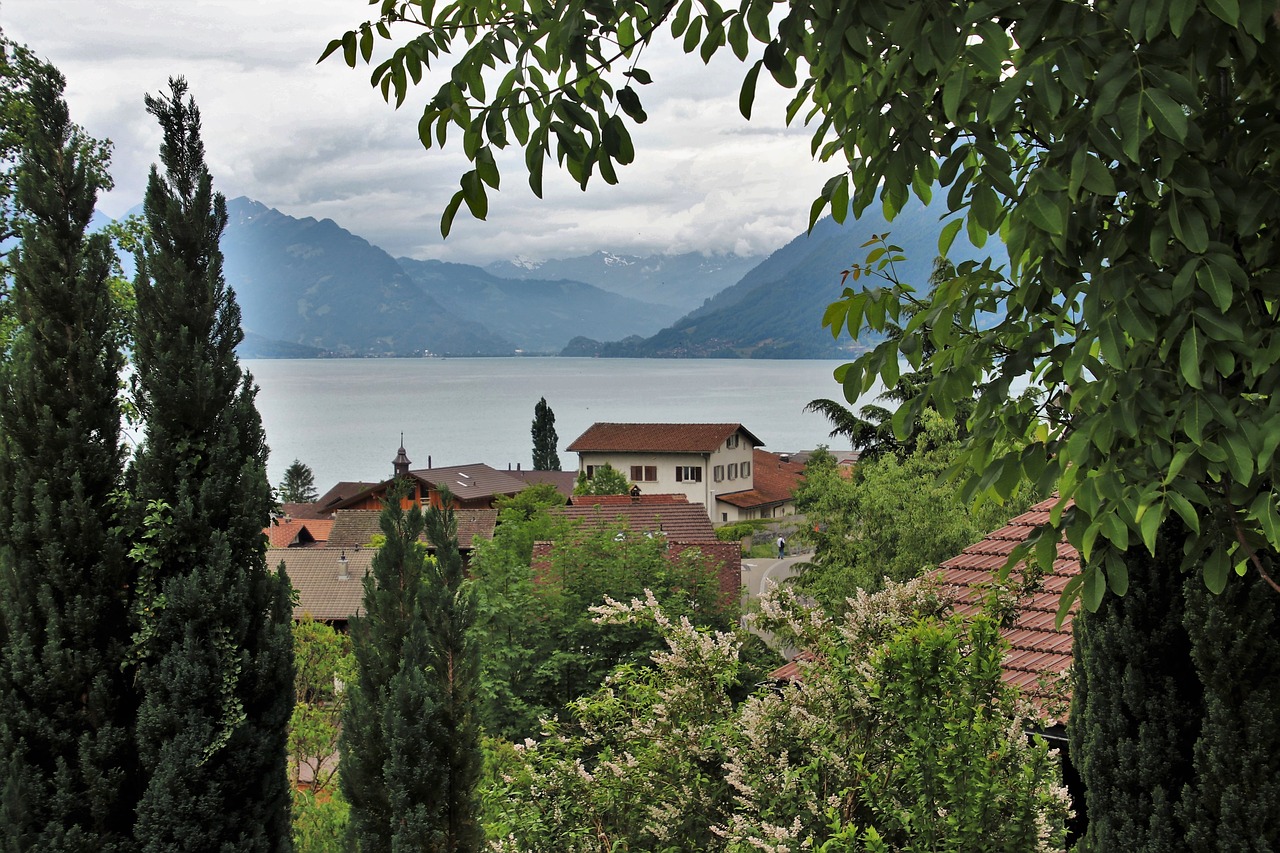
(710, 464)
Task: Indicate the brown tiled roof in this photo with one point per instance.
(1038, 648)
(469, 482)
(290, 533)
(353, 528)
(685, 522)
(303, 511)
(473, 523)
(341, 492)
(657, 438)
(315, 574)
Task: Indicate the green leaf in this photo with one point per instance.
(953, 91)
(1117, 573)
(1188, 224)
(630, 103)
(1129, 126)
(1191, 355)
(1216, 566)
(450, 211)
(1149, 519)
(1180, 11)
(473, 193)
(1046, 215)
(1227, 10)
(1239, 457)
(1166, 113)
(1263, 509)
(1094, 586)
(747, 94)
(948, 236)
(617, 140)
(1214, 281)
(1185, 510)
(782, 69)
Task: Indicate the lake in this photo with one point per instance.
(344, 417)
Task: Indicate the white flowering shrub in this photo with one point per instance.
(899, 736)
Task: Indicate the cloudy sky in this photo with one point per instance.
(317, 140)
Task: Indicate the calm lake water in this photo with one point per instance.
(343, 417)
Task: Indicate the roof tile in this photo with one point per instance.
(1040, 648)
(657, 438)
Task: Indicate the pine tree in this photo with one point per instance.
(213, 624)
(450, 613)
(298, 485)
(1136, 708)
(65, 756)
(410, 743)
(545, 457)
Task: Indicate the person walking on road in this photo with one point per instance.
(782, 548)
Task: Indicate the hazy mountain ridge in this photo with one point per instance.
(539, 315)
(310, 282)
(682, 281)
(775, 310)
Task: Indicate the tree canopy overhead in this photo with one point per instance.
(1124, 151)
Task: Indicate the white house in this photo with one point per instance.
(700, 461)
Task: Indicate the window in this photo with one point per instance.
(733, 470)
(688, 474)
(591, 472)
(718, 473)
(731, 442)
(746, 469)
(644, 473)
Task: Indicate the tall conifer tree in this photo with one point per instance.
(545, 457)
(450, 613)
(213, 633)
(65, 707)
(1136, 709)
(410, 742)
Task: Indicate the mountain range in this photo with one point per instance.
(308, 287)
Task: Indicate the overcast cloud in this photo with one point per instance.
(317, 140)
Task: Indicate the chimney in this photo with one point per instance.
(343, 573)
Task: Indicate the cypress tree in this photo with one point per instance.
(65, 707)
(545, 457)
(1233, 800)
(1136, 708)
(450, 613)
(410, 744)
(213, 625)
(387, 766)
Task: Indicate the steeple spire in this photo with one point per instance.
(401, 463)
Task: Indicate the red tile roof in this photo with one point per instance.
(657, 438)
(1038, 648)
(290, 533)
(680, 520)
